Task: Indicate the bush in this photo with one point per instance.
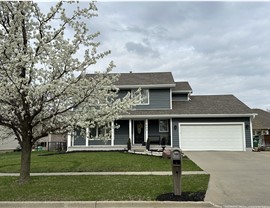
(129, 144)
(148, 144)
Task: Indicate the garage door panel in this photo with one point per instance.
(212, 137)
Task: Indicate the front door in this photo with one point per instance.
(138, 132)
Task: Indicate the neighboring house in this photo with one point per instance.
(8, 144)
(261, 126)
(52, 142)
(168, 110)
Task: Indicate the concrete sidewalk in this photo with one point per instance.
(107, 204)
(156, 173)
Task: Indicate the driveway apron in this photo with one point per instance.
(236, 178)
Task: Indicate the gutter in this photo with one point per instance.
(189, 116)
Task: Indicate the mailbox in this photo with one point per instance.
(176, 158)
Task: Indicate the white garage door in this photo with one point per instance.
(227, 137)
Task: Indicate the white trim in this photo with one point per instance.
(188, 116)
(171, 128)
(181, 91)
(215, 123)
(87, 137)
(133, 137)
(145, 86)
(112, 134)
(145, 130)
(69, 139)
(72, 140)
(170, 98)
(251, 131)
(130, 130)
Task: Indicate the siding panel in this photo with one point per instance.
(121, 134)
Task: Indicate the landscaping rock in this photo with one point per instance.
(166, 153)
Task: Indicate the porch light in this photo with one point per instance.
(175, 127)
(247, 127)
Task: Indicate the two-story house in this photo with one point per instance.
(169, 110)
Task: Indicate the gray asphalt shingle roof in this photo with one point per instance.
(262, 120)
(153, 78)
(203, 104)
(182, 86)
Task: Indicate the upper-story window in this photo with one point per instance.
(144, 96)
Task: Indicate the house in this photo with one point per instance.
(169, 111)
(261, 127)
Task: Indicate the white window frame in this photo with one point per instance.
(160, 130)
(141, 98)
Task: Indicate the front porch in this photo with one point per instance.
(137, 130)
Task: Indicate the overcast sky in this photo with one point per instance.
(219, 47)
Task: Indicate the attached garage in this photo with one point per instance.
(212, 136)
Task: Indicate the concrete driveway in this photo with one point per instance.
(237, 178)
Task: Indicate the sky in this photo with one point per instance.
(218, 47)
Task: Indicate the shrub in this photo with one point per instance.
(148, 144)
(129, 144)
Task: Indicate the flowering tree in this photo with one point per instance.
(44, 88)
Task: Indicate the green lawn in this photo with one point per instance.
(96, 188)
(90, 162)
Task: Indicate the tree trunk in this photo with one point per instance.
(25, 161)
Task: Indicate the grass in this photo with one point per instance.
(90, 162)
(96, 188)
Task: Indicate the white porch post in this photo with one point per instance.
(112, 134)
(72, 139)
(146, 130)
(87, 137)
(130, 131)
(69, 139)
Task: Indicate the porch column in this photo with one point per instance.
(69, 139)
(87, 137)
(112, 134)
(146, 130)
(130, 131)
(72, 139)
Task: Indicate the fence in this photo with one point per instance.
(57, 146)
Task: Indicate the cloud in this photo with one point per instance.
(142, 49)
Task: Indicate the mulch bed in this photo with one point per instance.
(185, 196)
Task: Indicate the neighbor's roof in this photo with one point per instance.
(262, 120)
(182, 87)
(201, 106)
(153, 78)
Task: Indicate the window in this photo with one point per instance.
(144, 96)
(163, 126)
(98, 132)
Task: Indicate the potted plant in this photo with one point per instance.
(163, 143)
(129, 144)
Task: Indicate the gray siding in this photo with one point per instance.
(153, 130)
(179, 97)
(99, 142)
(121, 135)
(158, 99)
(175, 133)
(79, 139)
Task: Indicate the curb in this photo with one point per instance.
(156, 173)
(107, 204)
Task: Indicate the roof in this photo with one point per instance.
(182, 87)
(201, 106)
(262, 120)
(153, 78)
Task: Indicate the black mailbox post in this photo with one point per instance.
(176, 158)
